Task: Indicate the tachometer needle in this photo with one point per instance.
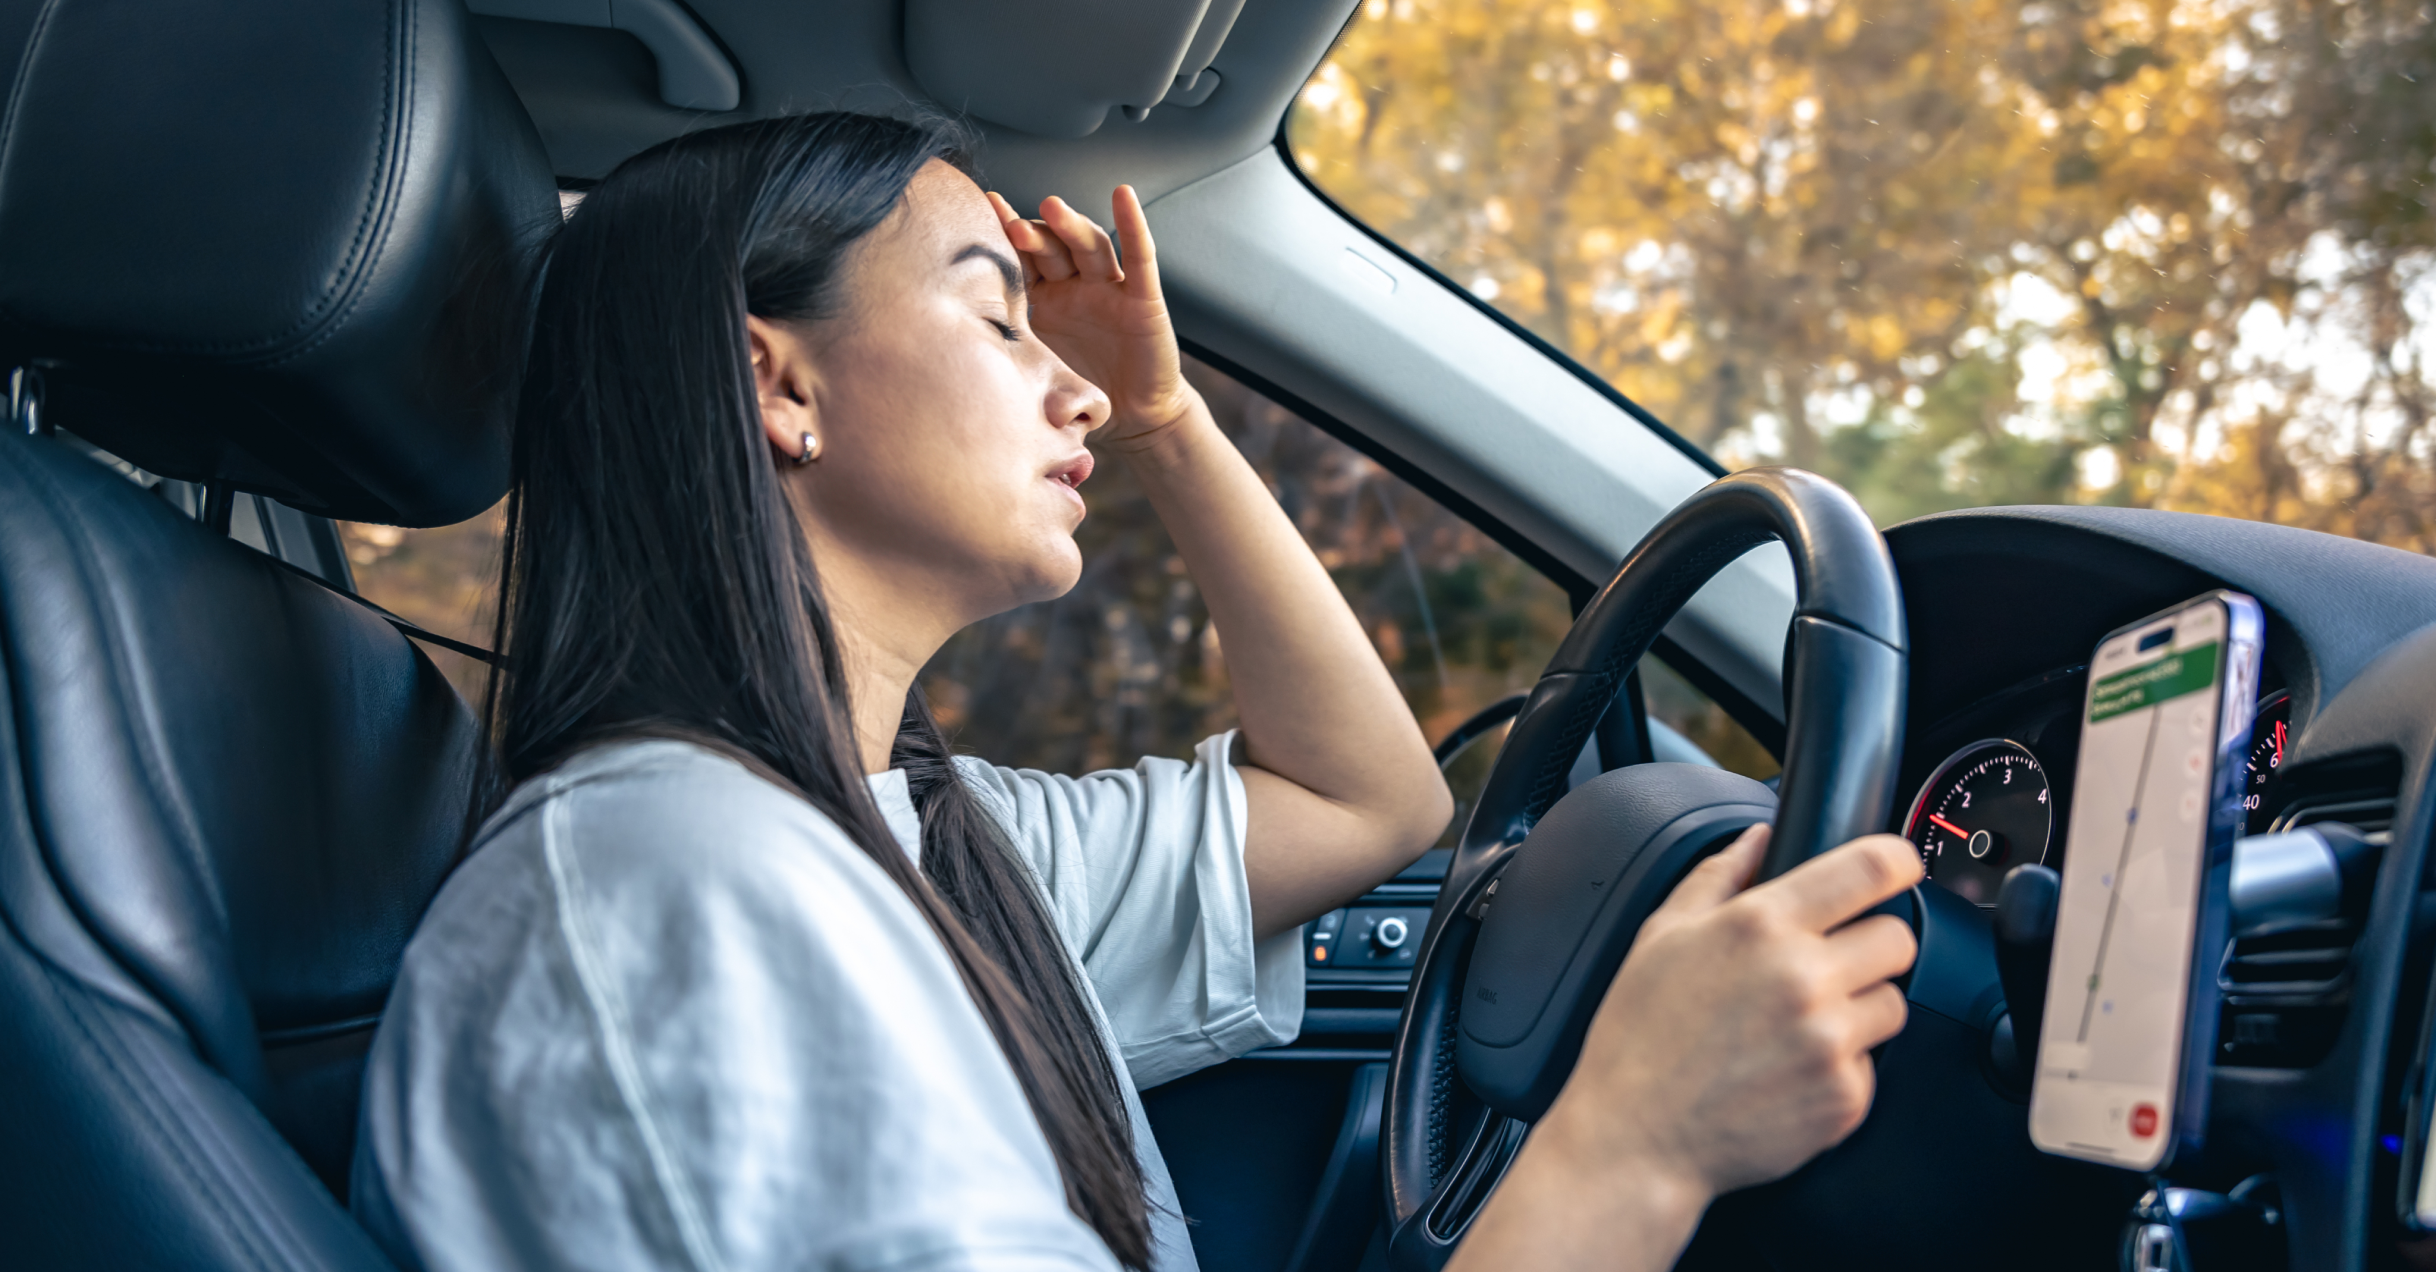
(1949, 827)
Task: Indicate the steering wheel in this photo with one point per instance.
(1547, 889)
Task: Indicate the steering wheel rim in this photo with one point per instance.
(1442, 1150)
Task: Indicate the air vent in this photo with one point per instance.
(2310, 961)
(2372, 816)
(2285, 993)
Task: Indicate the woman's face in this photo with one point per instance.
(950, 438)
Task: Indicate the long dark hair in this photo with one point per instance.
(656, 580)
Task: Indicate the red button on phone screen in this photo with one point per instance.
(2144, 1120)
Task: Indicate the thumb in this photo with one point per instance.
(1715, 881)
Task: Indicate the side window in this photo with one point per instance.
(1127, 664)
(442, 580)
(1692, 716)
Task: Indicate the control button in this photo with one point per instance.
(1390, 933)
(1328, 924)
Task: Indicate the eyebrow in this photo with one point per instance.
(1007, 268)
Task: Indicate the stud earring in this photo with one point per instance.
(811, 451)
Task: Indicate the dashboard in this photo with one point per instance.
(2324, 1036)
(2326, 1072)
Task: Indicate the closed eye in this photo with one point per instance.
(1006, 331)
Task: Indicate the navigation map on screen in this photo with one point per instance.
(2111, 1044)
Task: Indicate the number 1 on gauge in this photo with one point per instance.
(1984, 811)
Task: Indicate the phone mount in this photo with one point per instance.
(2188, 1230)
(2025, 937)
(2279, 881)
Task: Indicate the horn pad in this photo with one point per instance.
(1566, 910)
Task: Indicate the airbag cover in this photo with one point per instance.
(1569, 907)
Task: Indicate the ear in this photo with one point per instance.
(784, 383)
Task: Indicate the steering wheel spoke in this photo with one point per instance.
(1488, 1153)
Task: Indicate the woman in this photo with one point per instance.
(747, 972)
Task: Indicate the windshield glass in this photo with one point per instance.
(1950, 253)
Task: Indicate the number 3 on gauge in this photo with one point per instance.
(1984, 811)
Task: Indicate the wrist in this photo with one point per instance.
(1617, 1156)
(1156, 434)
(1573, 1201)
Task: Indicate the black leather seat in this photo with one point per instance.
(275, 245)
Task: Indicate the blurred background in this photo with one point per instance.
(1951, 253)
(2165, 253)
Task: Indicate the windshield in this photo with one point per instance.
(1950, 253)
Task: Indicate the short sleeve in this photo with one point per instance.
(679, 1020)
(1143, 870)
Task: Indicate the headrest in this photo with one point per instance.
(280, 243)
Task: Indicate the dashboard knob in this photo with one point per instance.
(1390, 933)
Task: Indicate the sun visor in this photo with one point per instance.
(984, 58)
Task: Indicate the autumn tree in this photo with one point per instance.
(1950, 252)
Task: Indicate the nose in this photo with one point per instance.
(1075, 402)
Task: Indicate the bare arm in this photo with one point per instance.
(1342, 786)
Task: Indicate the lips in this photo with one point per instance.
(1074, 472)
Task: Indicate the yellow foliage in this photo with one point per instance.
(1709, 203)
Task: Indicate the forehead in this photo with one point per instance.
(943, 212)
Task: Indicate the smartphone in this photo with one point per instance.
(2130, 1022)
(2419, 1193)
(2421, 1204)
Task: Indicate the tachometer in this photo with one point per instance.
(1984, 811)
(2268, 740)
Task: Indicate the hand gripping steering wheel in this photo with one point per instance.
(1527, 933)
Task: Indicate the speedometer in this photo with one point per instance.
(1984, 811)
(2267, 741)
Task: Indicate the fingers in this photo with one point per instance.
(1065, 244)
(1007, 216)
(1133, 236)
(1878, 948)
(1877, 1014)
(1044, 256)
(1094, 256)
(1822, 893)
(1715, 881)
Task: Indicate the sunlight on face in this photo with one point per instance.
(953, 437)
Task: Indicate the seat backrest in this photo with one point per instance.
(278, 246)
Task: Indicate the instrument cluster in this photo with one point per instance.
(1996, 802)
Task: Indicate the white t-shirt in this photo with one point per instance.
(668, 1015)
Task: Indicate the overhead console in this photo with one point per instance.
(983, 57)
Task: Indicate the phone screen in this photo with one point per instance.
(2154, 807)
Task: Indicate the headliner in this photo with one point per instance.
(593, 92)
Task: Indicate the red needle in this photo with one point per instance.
(1949, 827)
(2279, 745)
